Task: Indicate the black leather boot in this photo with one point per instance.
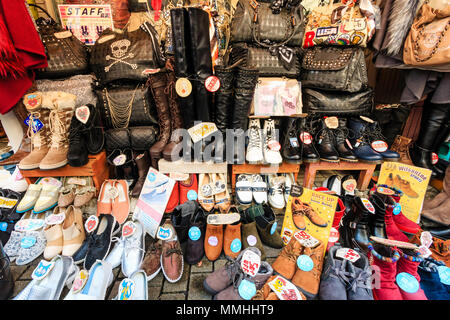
(305, 134)
(290, 146)
(325, 143)
(341, 134)
(433, 120)
(377, 225)
(183, 65)
(224, 98)
(93, 131)
(77, 156)
(201, 60)
(438, 168)
(354, 228)
(6, 277)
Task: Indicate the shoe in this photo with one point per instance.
(93, 131)
(341, 145)
(195, 249)
(152, 260)
(254, 153)
(266, 292)
(276, 193)
(376, 137)
(101, 240)
(104, 203)
(73, 231)
(359, 137)
(298, 217)
(172, 262)
(181, 217)
(401, 145)
(377, 221)
(83, 195)
(213, 241)
(77, 155)
(290, 146)
(48, 198)
(232, 244)
(188, 189)
(435, 209)
(133, 237)
(244, 190)
(66, 195)
(174, 199)
(143, 165)
(271, 147)
(222, 200)
(250, 237)
(121, 203)
(286, 263)
(55, 242)
(325, 143)
(205, 192)
(288, 183)
(134, 287)
(29, 199)
(259, 189)
(266, 224)
(16, 182)
(333, 183)
(224, 98)
(354, 228)
(6, 277)
(32, 245)
(430, 281)
(305, 134)
(406, 264)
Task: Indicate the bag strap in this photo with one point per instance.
(43, 10)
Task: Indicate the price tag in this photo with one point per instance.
(164, 233)
(202, 131)
(348, 254)
(37, 124)
(212, 84)
(366, 119)
(385, 191)
(334, 235)
(247, 289)
(407, 282)
(55, 218)
(424, 251)
(91, 223)
(273, 228)
(305, 263)
(294, 142)
(349, 144)
(284, 289)
(63, 34)
(213, 241)
(32, 101)
(126, 289)
(379, 145)
(444, 274)
(80, 281)
(183, 87)
(77, 181)
(305, 239)
(251, 240)
(194, 233)
(397, 209)
(274, 145)
(27, 242)
(426, 239)
(236, 245)
(434, 158)
(42, 270)
(332, 122)
(7, 202)
(179, 176)
(192, 195)
(29, 225)
(82, 114)
(368, 205)
(306, 137)
(349, 185)
(128, 229)
(120, 160)
(250, 263)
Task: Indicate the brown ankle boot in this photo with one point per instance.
(143, 164)
(401, 145)
(286, 262)
(158, 85)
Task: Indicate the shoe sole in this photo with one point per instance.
(294, 161)
(391, 159)
(223, 218)
(372, 162)
(209, 289)
(327, 160)
(348, 160)
(54, 166)
(29, 167)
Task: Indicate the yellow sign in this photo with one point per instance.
(323, 209)
(412, 181)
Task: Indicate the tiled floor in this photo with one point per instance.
(190, 287)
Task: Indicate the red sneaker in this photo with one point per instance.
(189, 189)
(174, 199)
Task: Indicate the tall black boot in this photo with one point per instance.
(183, 66)
(377, 225)
(201, 60)
(290, 146)
(354, 226)
(244, 88)
(309, 152)
(341, 135)
(439, 170)
(432, 123)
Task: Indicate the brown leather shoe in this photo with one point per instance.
(152, 261)
(213, 241)
(232, 243)
(297, 214)
(286, 262)
(143, 164)
(172, 262)
(308, 281)
(439, 248)
(309, 212)
(401, 146)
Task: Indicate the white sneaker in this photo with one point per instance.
(17, 182)
(259, 188)
(333, 183)
(271, 145)
(254, 149)
(276, 191)
(290, 181)
(244, 189)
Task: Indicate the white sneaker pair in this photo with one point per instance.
(259, 152)
(251, 187)
(280, 189)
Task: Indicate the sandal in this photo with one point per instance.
(205, 192)
(84, 194)
(222, 200)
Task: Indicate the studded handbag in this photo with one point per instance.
(334, 69)
(66, 55)
(128, 55)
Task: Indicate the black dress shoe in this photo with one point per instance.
(290, 148)
(309, 152)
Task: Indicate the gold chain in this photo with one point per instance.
(120, 115)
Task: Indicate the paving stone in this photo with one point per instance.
(27, 274)
(271, 252)
(64, 293)
(112, 291)
(154, 292)
(180, 285)
(172, 296)
(18, 287)
(219, 264)
(207, 266)
(157, 281)
(196, 289)
(17, 271)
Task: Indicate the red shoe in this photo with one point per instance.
(189, 189)
(392, 230)
(340, 210)
(402, 222)
(174, 199)
(406, 265)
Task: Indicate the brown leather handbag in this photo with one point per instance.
(428, 42)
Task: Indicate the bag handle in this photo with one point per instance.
(43, 10)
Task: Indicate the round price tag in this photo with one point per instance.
(274, 145)
(152, 177)
(247, 289)
(379, 146)
(407, 282)
(332, 122)
(80, 281)
(192, 195)
(334, 235)
(91, 224)
(397, 209)
(3, 226)
(82, 114)
(120, 160)
(305, 263)
(27, 242)
(183, 87)
(306, 137)
(128, 229)
(434, 158)
(236, 246)
(273, 228)
(385, 191)
(212, 84)
(194, 233)
(213, 241)
(251, 240)
(444, 274)
(368, 205)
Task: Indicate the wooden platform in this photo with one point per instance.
(97, 168)
(365, 175)
(262, 169)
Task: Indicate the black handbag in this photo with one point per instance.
(143, 138)
(334, 69)
(117, 139)
(128, 55)
(337, 103)
(127, 105)
(268, 64)
(66, 55)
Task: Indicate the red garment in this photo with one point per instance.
(29, 49)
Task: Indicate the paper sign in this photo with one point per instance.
(305, 239)
(250, 263)
(348, 254)
(284, 289)
(202, 131)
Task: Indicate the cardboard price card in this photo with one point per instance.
(412, 181)
(322, 209)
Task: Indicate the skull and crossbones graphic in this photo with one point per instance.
(119, 51)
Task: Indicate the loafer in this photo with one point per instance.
(152, 260)
(213, 241)
(181, 217)
(250, 238)
(195, 249)
(48, 198)
(266, 225)
(101, 240)
(29, 199)
(121, 203)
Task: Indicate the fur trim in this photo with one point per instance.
(401, 18)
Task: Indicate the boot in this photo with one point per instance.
(175, 115)
(325, 143)
(244, 89)
(224, 98)
(183, 61)
(354, 229)
(375, 134)
(6, 277)
(93, 131)
(377, 224)
(254, 153)
(341, 134)
(409, 263)
(308, 151)
(143, 164)
(59, 123)
(402, 222)
(436, 209)
(271, 154)
(431, 124)
(39, 140)
(385, 260)
(201, 60)
(157, 83)
(77, 156)
(401, 146)
(439, 170)
(286, 262)
(359, 138)
(290, 146)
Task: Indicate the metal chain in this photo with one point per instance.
(120, 115)
(416, 43)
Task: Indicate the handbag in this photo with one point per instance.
(126, 106)
(337, 103)
(269, 65)
(66, 55)
(128, 55)
(143, 138)
(340, 24)
(334, 69)
(117, 139)
(428, 41)
(261, 22)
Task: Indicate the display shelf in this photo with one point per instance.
(262, 169)
(365, 175)
(181, 166)
(97, 168)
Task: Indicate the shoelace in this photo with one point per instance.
(37, 143)
(362, 281)
(289, 254)
(375, 133)
(277, 188)
(325, 134)
(56, 127)
(231, 267)
(255, 137)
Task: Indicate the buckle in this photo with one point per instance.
(352, 225)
